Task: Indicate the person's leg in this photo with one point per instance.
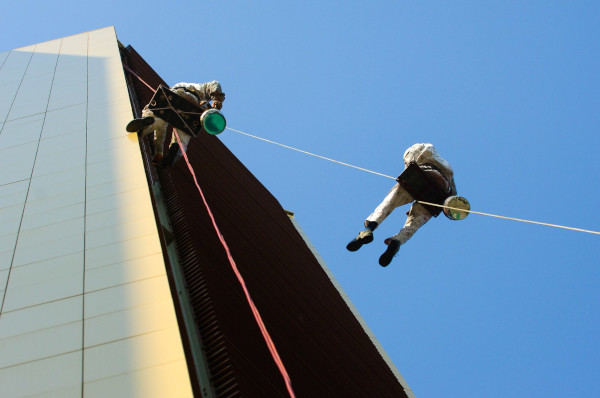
(160, 129)
(417, 217)
(396, 197)
(174, 153)
(149, 124)
(183, 137)
(362, 238)
(142, 124)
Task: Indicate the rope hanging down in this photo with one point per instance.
(261, 324)
(426, 203)
(257, 317)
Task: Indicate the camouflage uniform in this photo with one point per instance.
(197, 94)
(437, 168)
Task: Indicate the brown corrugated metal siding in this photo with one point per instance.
(324, 348)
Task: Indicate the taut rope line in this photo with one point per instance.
(426, 203)
(511, 218)
(312, 154)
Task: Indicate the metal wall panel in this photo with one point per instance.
(85, 304)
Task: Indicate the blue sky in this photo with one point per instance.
(507, 91)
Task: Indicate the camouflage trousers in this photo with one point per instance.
(417, 215)
(159, 127)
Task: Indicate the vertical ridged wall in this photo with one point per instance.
(223, 378)
(321, 339)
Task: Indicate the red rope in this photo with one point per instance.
(257, 317)
(139, 78)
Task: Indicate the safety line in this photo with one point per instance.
(259, 321)
(426, 203)
(312, 154)
(139, 78)
(257, 317)
(263, 329)
(510, 218)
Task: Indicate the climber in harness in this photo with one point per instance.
(191, 97)
(427, 177)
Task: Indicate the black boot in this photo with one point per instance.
(139, 124)
(173, 155)
(390, 252)
(372, 225)
(363, 237)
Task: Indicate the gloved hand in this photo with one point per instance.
(217, 99)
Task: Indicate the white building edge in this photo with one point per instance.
(352, 308)
(85, 305)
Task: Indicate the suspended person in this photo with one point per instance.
(199, 94)
(438, 170)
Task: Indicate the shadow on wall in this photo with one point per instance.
(75, 216)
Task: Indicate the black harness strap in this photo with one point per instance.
(188, 111)
(421, 187)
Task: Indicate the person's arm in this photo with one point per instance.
(180, 85)
(216, 94)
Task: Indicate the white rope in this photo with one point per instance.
(312, 154)
(425, 203)
(510, 218)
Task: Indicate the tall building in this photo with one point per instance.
(113, 281)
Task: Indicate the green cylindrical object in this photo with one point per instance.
(213, 121)
(456, 205)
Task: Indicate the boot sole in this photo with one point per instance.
(390, 252)
(138, 124)
(357, 243)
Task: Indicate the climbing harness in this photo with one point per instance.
(421, 187)
(184, 115)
